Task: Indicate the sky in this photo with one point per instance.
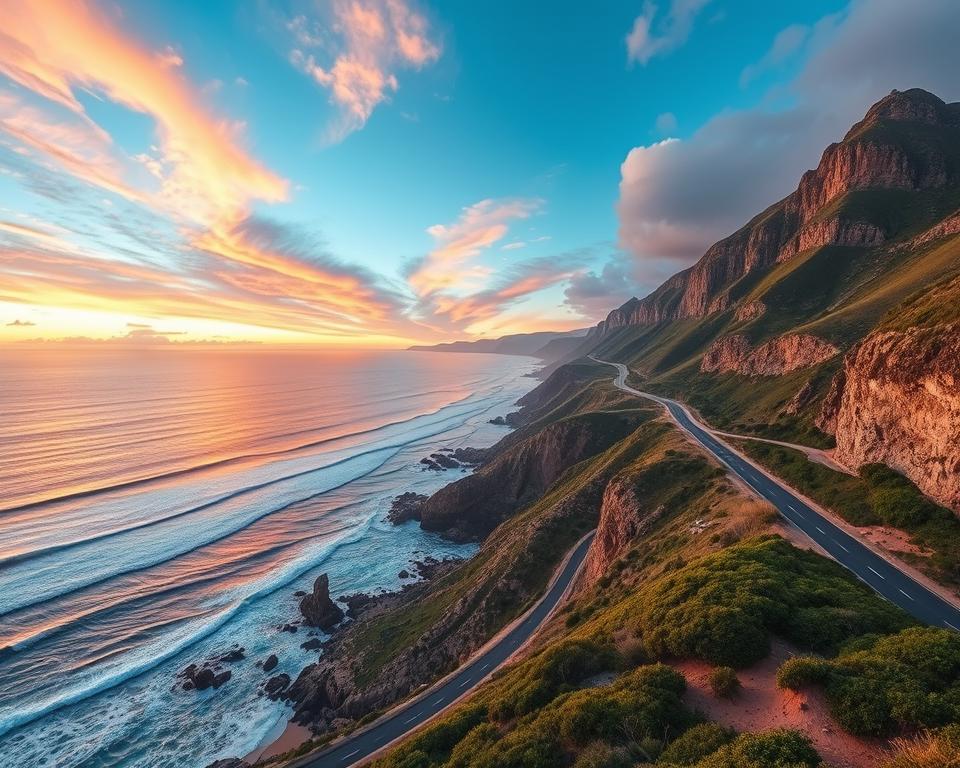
(387, 172)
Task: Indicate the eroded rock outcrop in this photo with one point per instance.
(318, 609)
(772, 358)
(897, 401)
(623, 517)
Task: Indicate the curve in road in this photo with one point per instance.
(880, 574)
(411, 715)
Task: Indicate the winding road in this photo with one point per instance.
(361, 745)
(877, 572)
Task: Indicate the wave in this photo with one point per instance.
(179, 473)
(23, 716)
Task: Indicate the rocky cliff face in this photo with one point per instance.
(897, 401)
(623, 517)
(773, 358)
(470, 508)
(873, 155)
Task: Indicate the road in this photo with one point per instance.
(880, 574)
(409, 716)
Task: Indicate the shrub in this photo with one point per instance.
(772, 749)
(940, 749)
(724, 606)
(599, 754)
(910, 679)
(724, 682)
(696, 743)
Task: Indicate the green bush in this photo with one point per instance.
(724, 607)
(724, 682)
(907, 680)
(599, 754)
(771, 749)
(695, 744)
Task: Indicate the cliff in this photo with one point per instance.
(905, 142)
(773, 358)
(473, 506)
(897, 398)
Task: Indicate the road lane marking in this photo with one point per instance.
(347, 757)
(793, 508)
(438, 701)
(412, 718)
(825, 533)
(841, 546)
(465, 682)
(905, 594)
(950, 625)
(485, 665)
(877, 572)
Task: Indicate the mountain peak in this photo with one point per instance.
(914, 105)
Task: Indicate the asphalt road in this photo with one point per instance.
(407, 717)
(878, 573)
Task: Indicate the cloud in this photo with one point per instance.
(788, 42)
(21, 324)
(666, 123)
(55, 50)
(678, 197)
(374, 38)
(648, 39)
(592, 294)
(515, 245)
(450, 265)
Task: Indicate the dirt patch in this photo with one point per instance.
(760, 706)
(892, 540)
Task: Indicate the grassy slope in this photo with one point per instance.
(716, 590)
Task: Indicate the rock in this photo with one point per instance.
(431, 465)
(318, 609)
(897, 401)
(312, 645)
(299, 593)
(773, 358)
(357, 603)
(276, 685)
(499, 421)
(230, 762)
(234, 654)
(471, 457)
(405, 507)
(271, 663)
(404, 574)
(203, 678)
(445, 461)
(289, 627)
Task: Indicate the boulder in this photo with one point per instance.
(271, 663)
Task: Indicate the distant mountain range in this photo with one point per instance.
(547, 345)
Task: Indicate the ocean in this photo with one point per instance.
(158, 507)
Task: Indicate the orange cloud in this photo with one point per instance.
(53, 48)
(479, 226)
(377, 37)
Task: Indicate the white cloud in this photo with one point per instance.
(649, 37)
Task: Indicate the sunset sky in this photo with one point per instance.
(384, 172)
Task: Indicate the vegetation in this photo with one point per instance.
(723, 607)
(931, 749)
(724, 682)
(770, 749)
(879, 496)
(696, 743)
(883, 684)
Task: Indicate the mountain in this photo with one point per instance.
(792, 326)
(546, 345)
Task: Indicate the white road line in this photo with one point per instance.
(438, 701)
(465, 682)
(841, 546)
(950, 625)
(878, 573)
(825, 533)
(347, 757)
(793, 508)
(412, 718)
(485, 665)
(905, 594)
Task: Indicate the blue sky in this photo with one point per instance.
(389, 171)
